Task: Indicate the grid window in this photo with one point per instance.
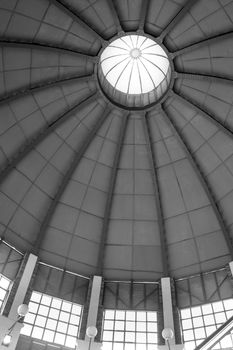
(5, 285)
(201, 321)
(129, 330)
(53, 320)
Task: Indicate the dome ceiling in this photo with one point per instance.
(97, 189)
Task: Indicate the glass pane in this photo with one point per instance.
(152, 338)
(59, 338)
(56, 303)
(130, 337)
(151, 316)
(119, 325)
(118, 336)
(141, 337)
(54, 313)
(36, 297)
(66, 306)
(108, 335)
(46, 300)
(73, 330)
(185, 313)
(76, 309)
(26, 330)
(152, 327)
(141, 326)
(120, 315)
(218, 306)
(141, 316)
(40, 321)
(130, 326)
(187, 324)
(130, 315)
(62, 327)
(109, 314)
(198, 322)
(196, 311)
(207, 309)
(37, 332)
(70, 341)
(64, 316)
(48, 335)
(43, 310)
(51, 324)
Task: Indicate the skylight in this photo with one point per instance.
(135, 65)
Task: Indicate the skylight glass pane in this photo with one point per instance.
(135, 65)
(201, 321)
(129, 329)
(52, 319)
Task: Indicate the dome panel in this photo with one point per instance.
(204, 19)
(98, 188)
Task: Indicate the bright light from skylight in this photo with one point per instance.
(135, 64)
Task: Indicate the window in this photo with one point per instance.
(201, 321)
(5, 285)
(53, 320)
(129, 330)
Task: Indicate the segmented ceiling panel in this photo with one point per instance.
(92, 187)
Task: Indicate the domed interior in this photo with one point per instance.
(95, 187)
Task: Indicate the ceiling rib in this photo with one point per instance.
(78, 156)
(226, 129)
(197, 76)
(108, 205)
(112, 5)
(143, 14)
(202, 179)
(41, 135)
(158, 199)
(44, 85)
(75, 16)
(176, 19)
(202, 43)
(42, 46)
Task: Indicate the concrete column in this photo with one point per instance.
(167, 306)
(94, 303)
(7, 322)
(23, 285)
(168, 316)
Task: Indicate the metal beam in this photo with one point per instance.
(71, 12)
(226, 129)
(202, 43)
(42, 46)
(143, 14)
(112, 5)
(158, 199)
(44, 85)
(69, 172)
(108, 205)
(201, 176)
(203, 77)
(176, 19)
(41, 135)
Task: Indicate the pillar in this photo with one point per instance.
(168, 312)
(94, 302)
(16, 299)
(231, 267)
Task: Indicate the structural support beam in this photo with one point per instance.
(176, 19)
(44, 85)
(162, 231)
(204, 77)
(226, 129)
(112, 5)
(202, 43)
(47, 47)
(203, 181)
(76, 17)
(94, 302)
(78, 156)
(168, 320)
(23, 284)
(108, 204)
(143, 14)
(41, 135)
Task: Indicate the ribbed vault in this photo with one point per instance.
(96, 189)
